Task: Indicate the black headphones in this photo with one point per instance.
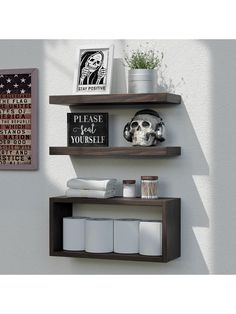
(147, 111)
(128, 136)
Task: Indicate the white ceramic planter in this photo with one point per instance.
(142, 81)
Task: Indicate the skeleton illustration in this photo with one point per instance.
(145, 129)
(92, 70)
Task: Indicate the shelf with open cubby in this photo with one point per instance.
(62, 206)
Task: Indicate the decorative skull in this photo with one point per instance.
(94, 61)
(145, 129)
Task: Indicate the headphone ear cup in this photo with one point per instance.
(126, 133)
(161, 132)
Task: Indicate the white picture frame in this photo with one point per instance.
(93, 70)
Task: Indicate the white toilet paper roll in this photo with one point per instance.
(73, 233)
(126, 236)
(150, 238)
(98, 235)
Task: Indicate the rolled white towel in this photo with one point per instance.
(101, 184)
(90, 193)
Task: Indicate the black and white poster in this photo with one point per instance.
(93, 67)
(93, 70)
(87, 129)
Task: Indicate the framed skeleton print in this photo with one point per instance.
(93, 70)
(18, 119)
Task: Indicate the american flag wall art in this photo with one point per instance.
(18, 119)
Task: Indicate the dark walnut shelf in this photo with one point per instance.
(116, 99)
(115, 200)
(114, 256)
(62, 206)
(137, 151)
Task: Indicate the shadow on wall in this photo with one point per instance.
(176, 180)
(223, 154)
(166, 84)
(118, 77)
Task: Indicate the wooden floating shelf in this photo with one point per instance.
(115, 200)
(137, 151)
(114, 256)
(62, 206)
(119, 99)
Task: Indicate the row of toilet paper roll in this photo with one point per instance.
(101, 235)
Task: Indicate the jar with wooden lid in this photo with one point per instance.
(129, 188)
(149, 187)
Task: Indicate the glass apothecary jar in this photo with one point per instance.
(129, 188)
(149, 187)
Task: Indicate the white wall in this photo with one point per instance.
(204, 73)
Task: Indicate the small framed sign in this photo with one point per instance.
(87, 129)
(93, 70)
(18, 119)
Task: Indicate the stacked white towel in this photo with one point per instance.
(91, 187)
(92, 184)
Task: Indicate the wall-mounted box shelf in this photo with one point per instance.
(138, 151)
(170, 208)
(124, 100)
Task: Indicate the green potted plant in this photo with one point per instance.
(143, 64)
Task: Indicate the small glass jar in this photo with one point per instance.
(129, 188)
(149, 187)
